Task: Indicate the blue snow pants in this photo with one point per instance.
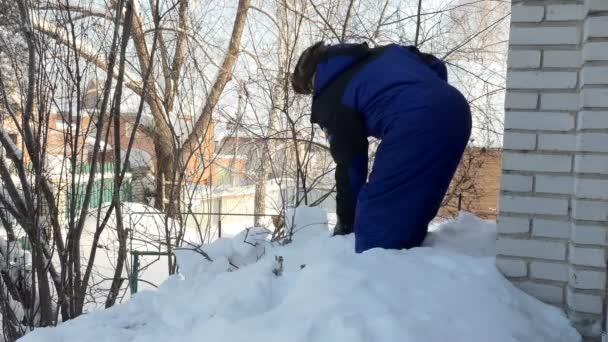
(413, 166)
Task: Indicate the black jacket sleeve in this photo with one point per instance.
(348, 146)
(347, 138)
(351, 174)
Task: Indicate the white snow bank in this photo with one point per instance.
(466, 235)
(449, 291)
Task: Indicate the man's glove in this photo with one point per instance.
(342, 229)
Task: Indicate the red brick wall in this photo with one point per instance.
(485, 174)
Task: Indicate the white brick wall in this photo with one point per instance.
(594, 97)
(565, 12)
(524, 58)
(536, 162)
(591, 163)
(596, 5)
(512, 267)
(590, 210)
(553, 226)
(593, 120)
(587, 256)
(560, 101)
(557, 142)
(545, 35)
(542, 80)
(595, 75)
(546, 292)
(551, 121)
(518, 100)
(590, 235)
(549, 270)
(593, 142)
(562, 59)
(521, 14)
(513, 225)
(595, 27)
(592, 188)
(587, 280)
(549, 250)
(519, 141)
(516, 182)
(584, 302)
(554, 184)
(595, 51)
(533, 205)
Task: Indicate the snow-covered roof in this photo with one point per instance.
(137, 158)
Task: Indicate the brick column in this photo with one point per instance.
(554, 188)
(587, 281)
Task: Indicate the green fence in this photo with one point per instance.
(101, 168)
(102, 193)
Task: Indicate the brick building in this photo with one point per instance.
(480, 195)
(198, 168)
(553, 212)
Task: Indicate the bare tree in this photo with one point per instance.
(161, 96)
(43, 109)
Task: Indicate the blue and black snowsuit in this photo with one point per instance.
(400, 96)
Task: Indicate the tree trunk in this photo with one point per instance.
(260, 192)
(44, 291)
(165, 166)
(273, 119)
(120, 230)
(224, 75)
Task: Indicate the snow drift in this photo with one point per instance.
(317, 289)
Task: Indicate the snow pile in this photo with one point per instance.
(466, 235)
(317, 289)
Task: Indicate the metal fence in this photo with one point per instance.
(102, 193)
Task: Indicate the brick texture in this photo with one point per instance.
(512, 267)
(565, 12)
(566, 35)
(536, 162)
(516, 182)
(524, 59)
(562, 59)
(560, 101)
(519, 100)
(542, 80)
(549, 250)
(591, 163)
(556, 271)
(553, 227)
(551, 121)
(593, 120)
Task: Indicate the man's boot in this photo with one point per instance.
(342, 229)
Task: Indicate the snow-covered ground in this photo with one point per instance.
(449, 290)
(147, 227)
